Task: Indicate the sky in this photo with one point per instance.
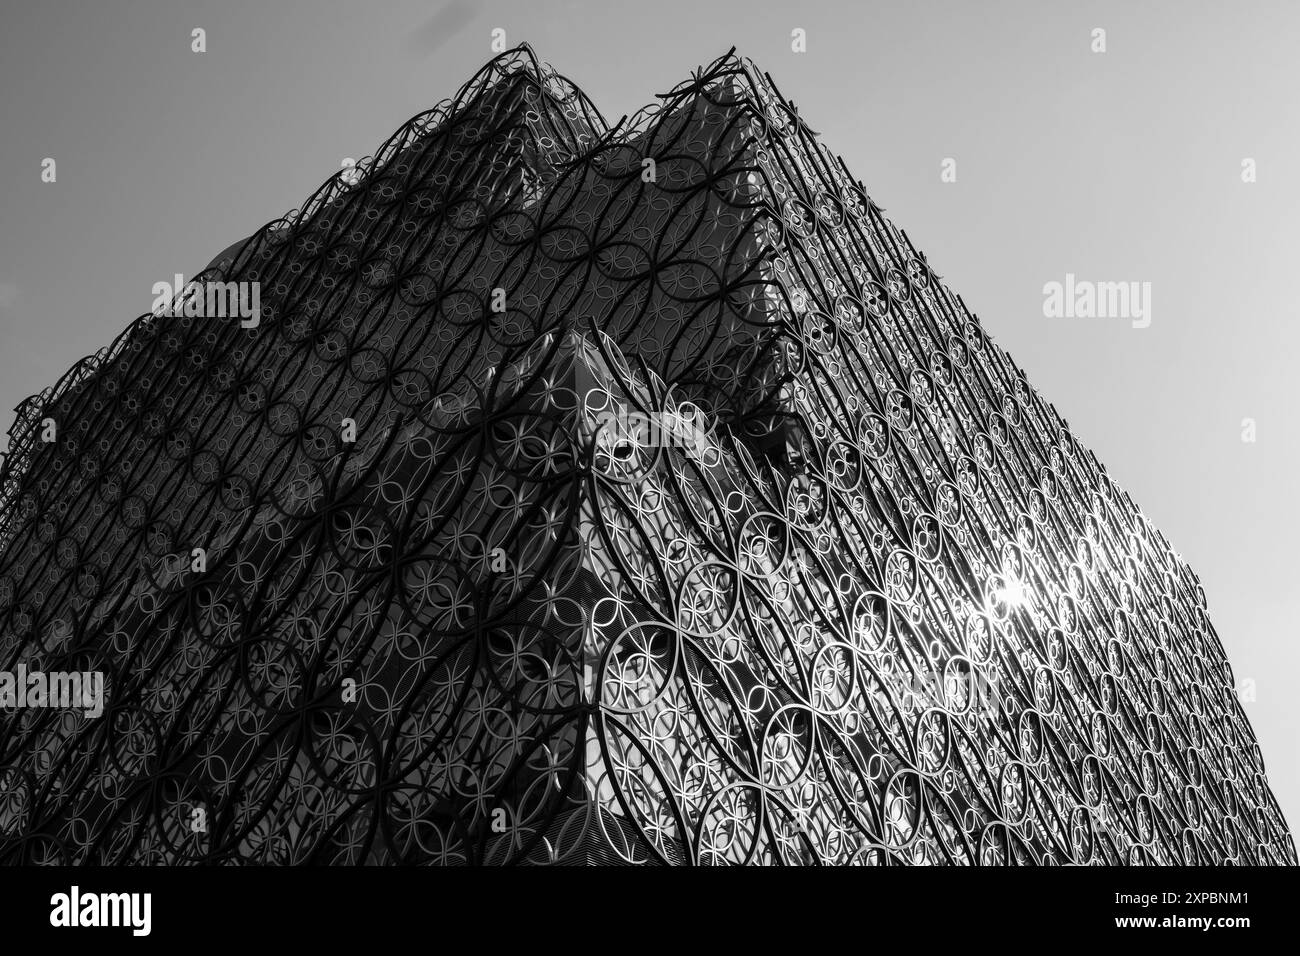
(1117, 166)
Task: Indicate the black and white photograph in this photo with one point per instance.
(644, 434)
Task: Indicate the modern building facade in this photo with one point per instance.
(592, 493)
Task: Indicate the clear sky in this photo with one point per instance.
(1117, 166)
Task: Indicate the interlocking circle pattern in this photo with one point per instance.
(629, 493)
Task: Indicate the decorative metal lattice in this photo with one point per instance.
(689, 519)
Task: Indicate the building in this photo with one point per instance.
(592, 493)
